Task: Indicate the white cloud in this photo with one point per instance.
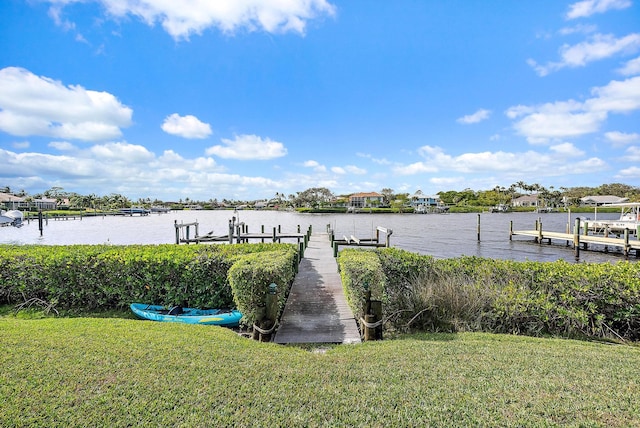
(186, 126)
(379, 161)
(315, 165)
(632, 154)
(580, 29)
(620, 138)
(586, 8)
(33, 105)
(349, 169)
(476, 117)
(630, 68)
(181, 21)
(415, 168)
(567, 150)
(62, 145)
(627, 173)
(21, 144)
(248, 147)
(447, 181)
(530, 163)
(600, 46)
(616, 97)
(563, 119)
(133, 171)
(122, 152)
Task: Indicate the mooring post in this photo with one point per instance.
(511, 230)
(335, 249)
(274, 234)
(262, 233)
(478, 227)
(301, 253)
(576, 239)
(231, 231)
(539, 232)
(175, 224)
(40, 221)
(626, 242)
(271, 312)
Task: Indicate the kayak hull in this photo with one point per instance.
(222, 317)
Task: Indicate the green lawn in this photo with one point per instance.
(123, 372)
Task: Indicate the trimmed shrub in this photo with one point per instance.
(108, 277)
(251, 275)
(360, 271)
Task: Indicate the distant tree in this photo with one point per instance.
(387, 195)
(400, 200)
(314, 197)
(55, 192)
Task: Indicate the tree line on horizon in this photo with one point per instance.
(321, 196)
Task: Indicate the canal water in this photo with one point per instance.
(439, 235)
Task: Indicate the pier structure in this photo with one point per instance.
(316, 310)
(237, 233)
(360, 242)
(580, 240)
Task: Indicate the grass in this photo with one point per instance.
(90, 371)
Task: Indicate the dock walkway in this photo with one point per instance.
(625, 244)
(316, 310)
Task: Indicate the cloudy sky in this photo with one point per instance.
(241, 99)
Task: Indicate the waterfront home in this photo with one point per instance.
(420, 199)
(12, 202)
(596, 201)
(423, 204)
(526, 201)
(362, 200)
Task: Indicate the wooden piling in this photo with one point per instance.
(40, 221)
(626, 243)
(478, 228)
(576, 239)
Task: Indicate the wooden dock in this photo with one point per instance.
(316, 310)
(238, 233)
(580, 240)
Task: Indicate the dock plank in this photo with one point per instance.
(316, 310)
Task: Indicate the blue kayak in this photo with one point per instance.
(222, 317)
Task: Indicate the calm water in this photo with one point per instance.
(439, 235)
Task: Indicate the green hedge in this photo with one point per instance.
(361, 271)
(111, 277)
(501, 296)
(251, 275)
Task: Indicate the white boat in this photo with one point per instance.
(629, 219)
(11, 218)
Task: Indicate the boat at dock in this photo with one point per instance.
(221, 317)
(629, 219)
(135, 210)
(11, 218)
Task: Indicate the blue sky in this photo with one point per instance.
(242, 99)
